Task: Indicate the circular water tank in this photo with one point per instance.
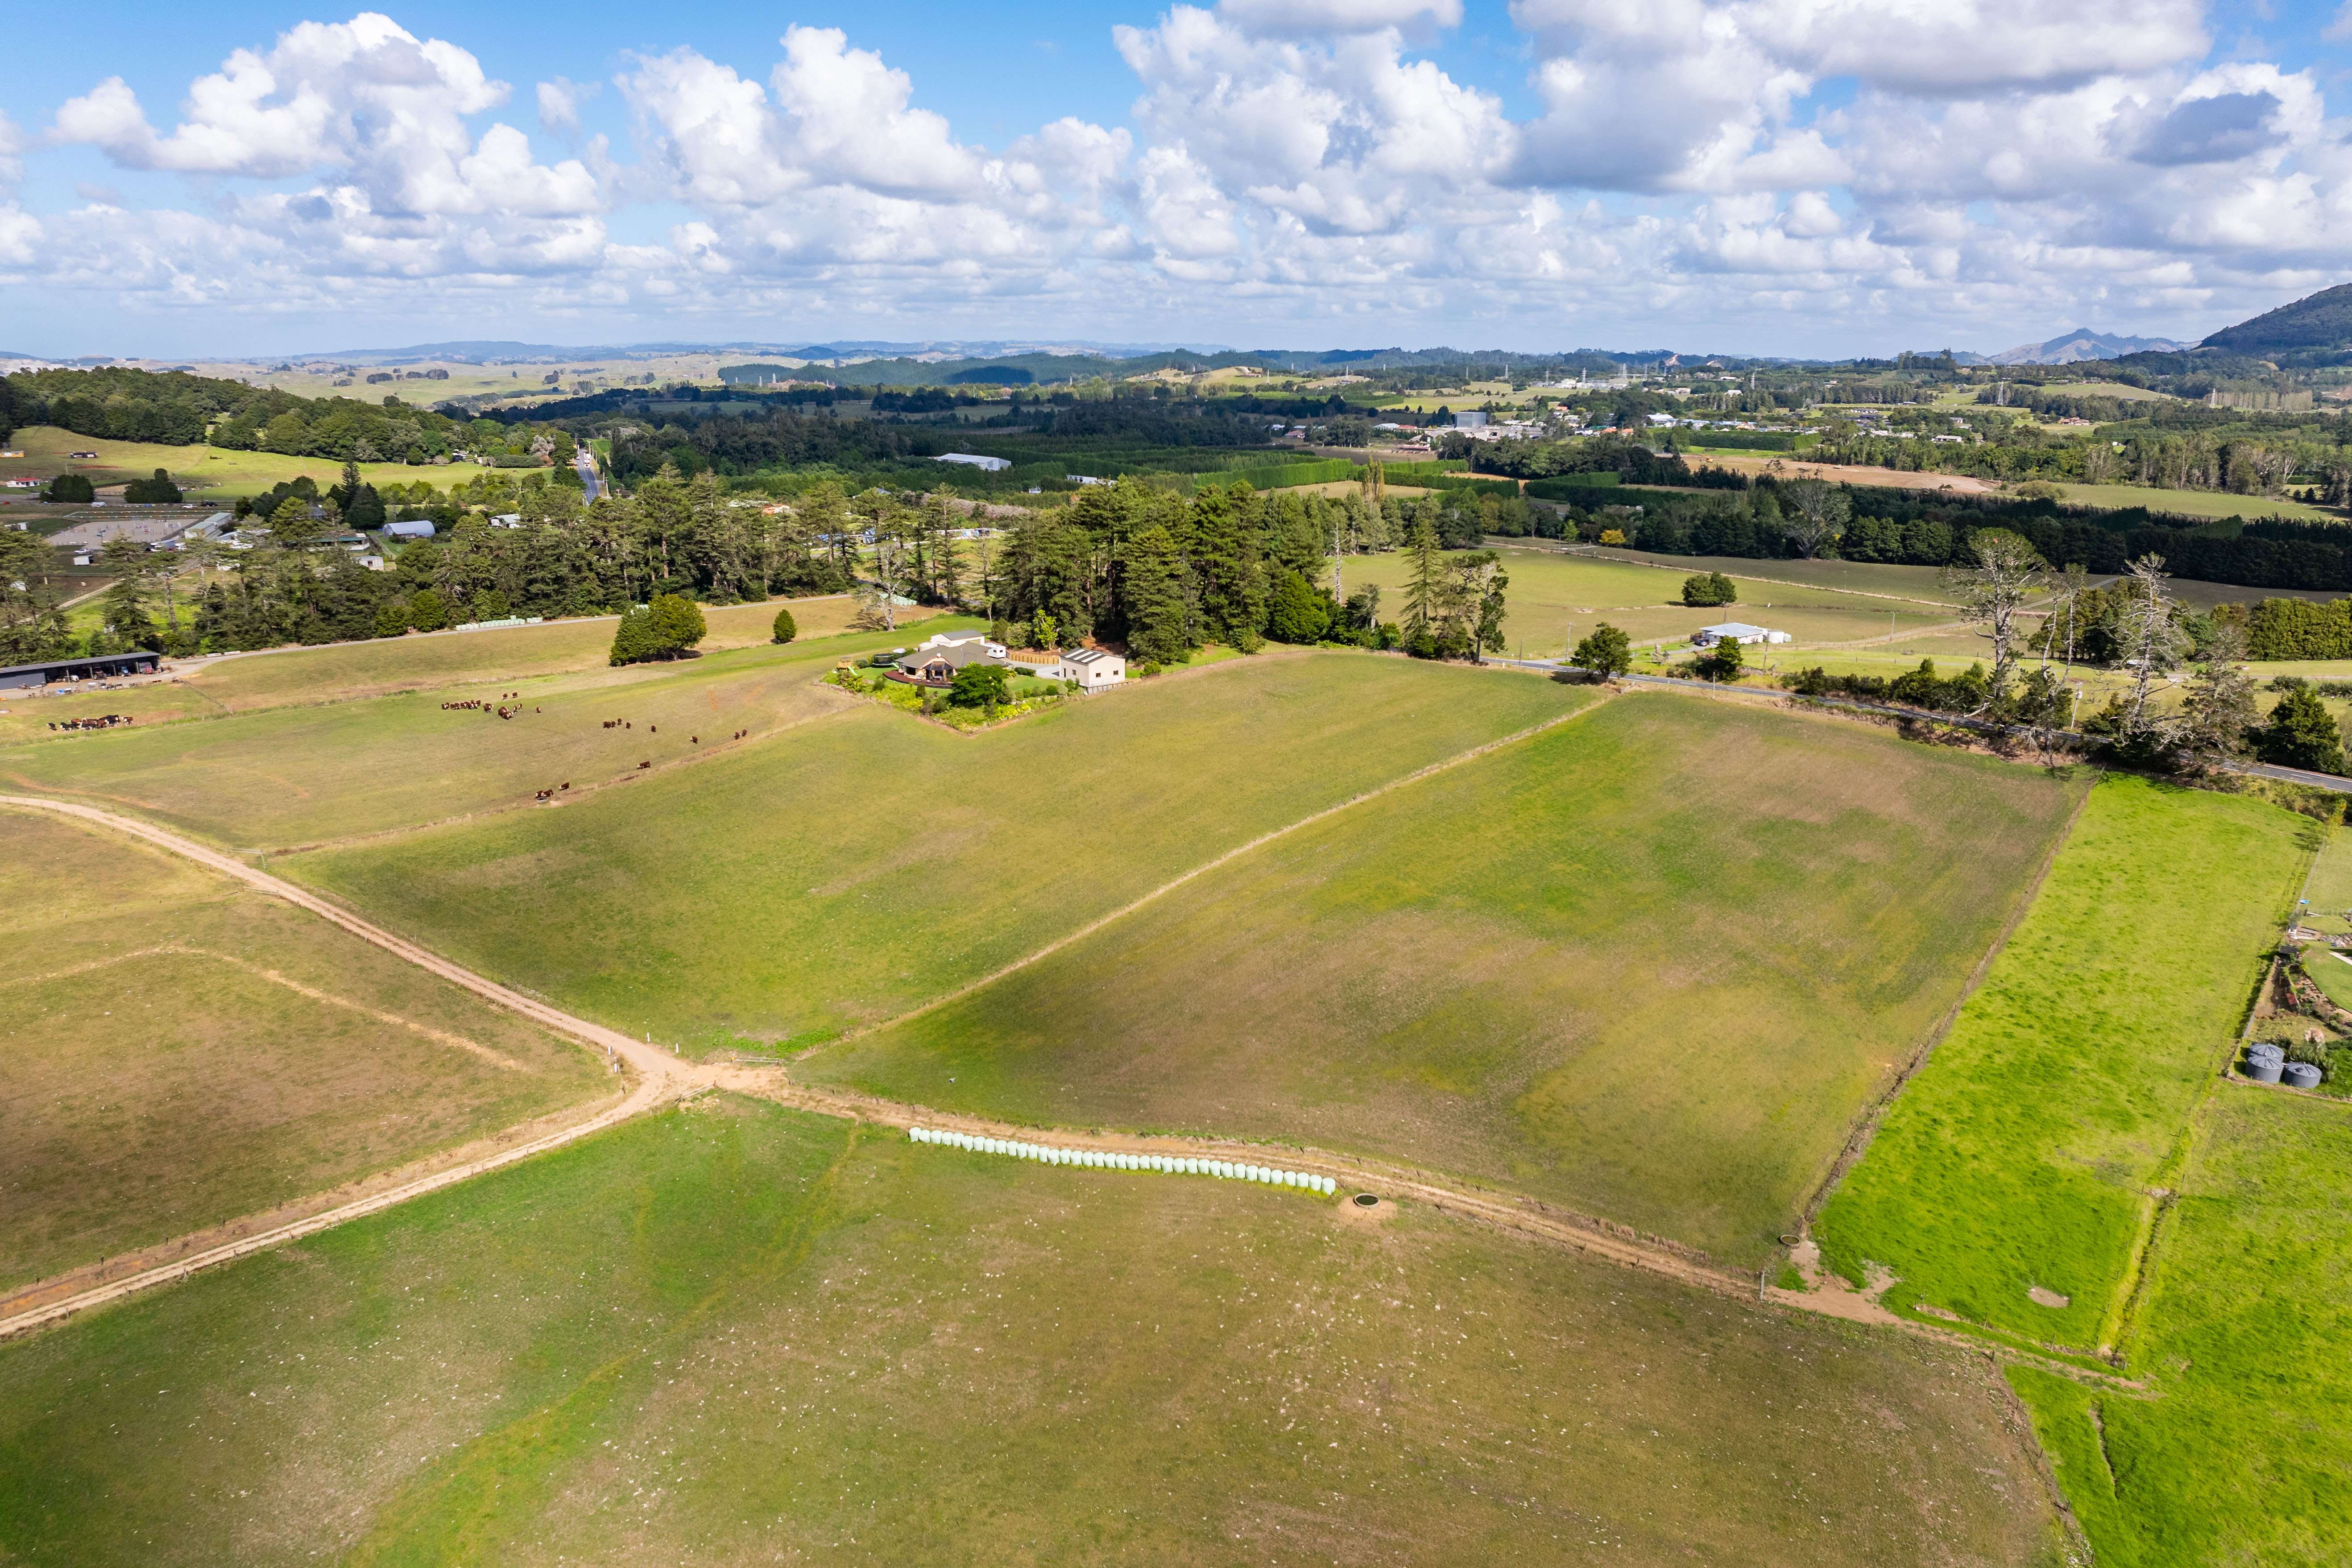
(2266, 1048)
(2263, 1069)
(2299, 1074)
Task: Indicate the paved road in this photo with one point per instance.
(586, 462)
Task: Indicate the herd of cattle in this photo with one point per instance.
(96, 721)
(476, 704)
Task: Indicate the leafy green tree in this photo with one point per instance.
(157, 491)
(391, 618)
(663, 629)
(679, 622)
(1424, 588)
(363, 513)
(784, 630)
(1607, 652)
(427, 610)
(1708, 589)
(634, 641)
(1159, 621)
(1295, 612)
(2301, 733)
(1722, 660)
(70, 489)
(291, 526)
(1227, 568)
(983, 686)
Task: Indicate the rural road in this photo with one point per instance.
(662, 1078)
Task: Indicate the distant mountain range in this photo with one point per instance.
(481, 351)
(2070, 348)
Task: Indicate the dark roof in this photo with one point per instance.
(68, 665)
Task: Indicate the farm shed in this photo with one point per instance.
(1735, 631)
(17, 676)
(986, 464)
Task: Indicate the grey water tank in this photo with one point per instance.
(2263, 1069)
(2271, 1048)
(2299, 1074)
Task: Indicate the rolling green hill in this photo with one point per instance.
(2314, 328)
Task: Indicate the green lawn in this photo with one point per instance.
(844, 871)
(259, 1056)
(2017, 1157)
(1601, 966)
(736, 1333)
(2240, 1457)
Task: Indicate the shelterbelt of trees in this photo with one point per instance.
(1774, 519)
(1164, 572)
(178, 409)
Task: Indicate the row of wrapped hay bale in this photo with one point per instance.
(1107, 1159)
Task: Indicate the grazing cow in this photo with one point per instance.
(644, 765)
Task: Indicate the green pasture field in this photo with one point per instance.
(2240, 1335)
(420, 662)
(1555, 598)
(167, 1070)
(209, 473)
(2018, 1156)
(1863, 577)
(734, 1333)
(2329, 890)
(1600, 966)
(206, 689)
(282, 777)
(846, 871)
(2204, 504)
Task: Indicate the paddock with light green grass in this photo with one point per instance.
(1554, 598)
(208, 473)
(2203, 505)
(2018, 1159)
(2232, 1454)
(181, 1052)
(842, 872)
(1600, 966)
(733, 1333)
(208, 687)
(282, 777)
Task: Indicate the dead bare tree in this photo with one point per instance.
(2151, 635)
(1993, 589)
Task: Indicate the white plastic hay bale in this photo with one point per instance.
(1329, 1187)
(1290, 1178)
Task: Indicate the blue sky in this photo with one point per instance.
(1796, 177)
